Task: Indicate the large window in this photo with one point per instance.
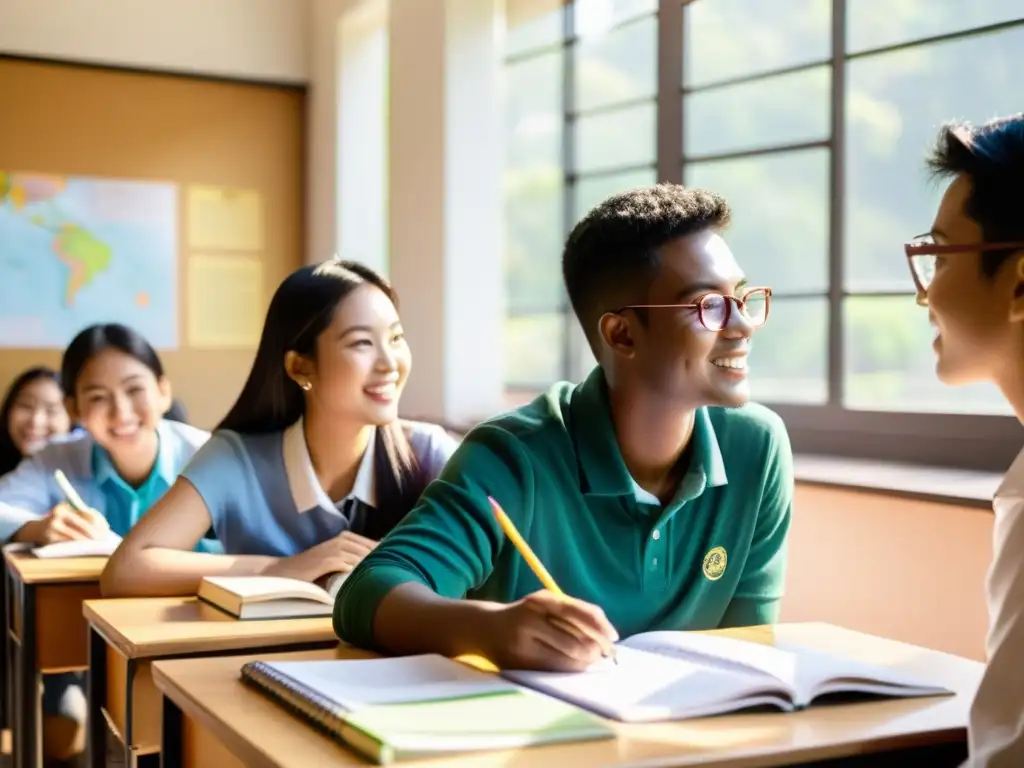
(580, 77)
(813, 118)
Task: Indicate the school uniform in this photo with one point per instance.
(714, 556)
(264, 497)
(30, 492)
(996, 724)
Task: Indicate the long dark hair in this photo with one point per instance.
(10, 455)
(99, 338)
(271, 401)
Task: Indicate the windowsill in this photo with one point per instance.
(939, 484)
(960, 487)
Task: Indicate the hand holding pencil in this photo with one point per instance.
(548, 629)
(73, 518)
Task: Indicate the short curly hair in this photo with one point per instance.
(610, 256)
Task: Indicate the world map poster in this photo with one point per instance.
(77, 250)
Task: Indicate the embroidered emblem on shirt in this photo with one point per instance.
(714, 563)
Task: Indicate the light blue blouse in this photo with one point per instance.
(264, 497)
(30, 491)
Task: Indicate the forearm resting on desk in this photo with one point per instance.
(162, 572)
(18, 524)
(412, 618)
(31, 532)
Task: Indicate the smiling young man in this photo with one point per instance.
(969, 273)
(655, 496)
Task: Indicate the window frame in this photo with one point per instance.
(571, 341)
(966, 441)
(954, 440)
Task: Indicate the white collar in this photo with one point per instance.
(303, 483)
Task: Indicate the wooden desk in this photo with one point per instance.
(45, 632)
(212, 719)
(127, 635)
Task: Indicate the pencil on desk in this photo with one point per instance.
(542, 573)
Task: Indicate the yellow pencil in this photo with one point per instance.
(542, 573)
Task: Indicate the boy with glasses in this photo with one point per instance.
(653, 493)
(969, 273)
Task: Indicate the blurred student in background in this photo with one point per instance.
(969, 274)
(31, 415)
(124, 458)
(312, 466)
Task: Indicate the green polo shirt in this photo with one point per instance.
(714, 557)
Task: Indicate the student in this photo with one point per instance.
(311, 467)
(969, 273)
(31, 415)
(123, 459)
(649, 493)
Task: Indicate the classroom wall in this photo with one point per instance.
(249, 39)
(910, 570)
(74, 120)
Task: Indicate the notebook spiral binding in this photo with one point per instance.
(319, 711)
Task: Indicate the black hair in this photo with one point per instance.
(992, 156)
(99, 338)
(177, 412)
(611, 255)
(302, 307)
(10, 455)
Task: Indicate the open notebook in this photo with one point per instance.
(80, 547)
(419, 706)
(678, 675)
(269, 597)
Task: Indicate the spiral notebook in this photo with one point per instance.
(411, 707)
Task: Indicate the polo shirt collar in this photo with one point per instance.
(103, 469)
(305, 488)
(602, 467)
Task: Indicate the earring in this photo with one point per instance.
(1020, 269)
(305, 386)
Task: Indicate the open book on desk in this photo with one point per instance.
(680, 675)
(270, 597)
(419, 706)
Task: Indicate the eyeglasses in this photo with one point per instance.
(714, 310)
(923, 255)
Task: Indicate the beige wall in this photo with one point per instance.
(183, 130)
(909, 570)
(250, 39)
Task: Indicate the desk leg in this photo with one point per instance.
(8, 624)
(97, 697)
(170, 738)
(28, 738)
(129, 708)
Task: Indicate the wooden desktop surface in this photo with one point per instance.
(168, 626)
(60, 586)
(29, 569)
(225, 722)
(138, 630)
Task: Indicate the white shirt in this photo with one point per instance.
(996, 724)
(306, 488)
